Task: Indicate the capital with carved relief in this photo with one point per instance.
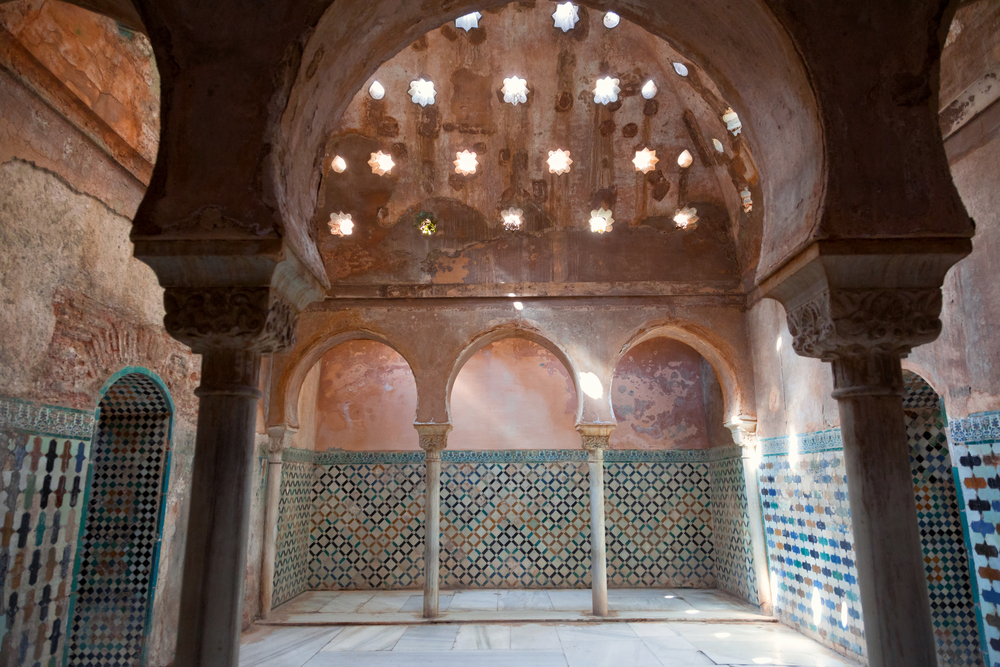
(744, 431)
(246, 318)
(595, 438)
(865, 305)
(433, 439)
(279, 439)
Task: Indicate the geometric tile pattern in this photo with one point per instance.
(807, 528)
(515, 525)
(810, 544)
(42, 481)
(946, 559)
(118, 549)
(508, 520)
(291, 558)
(976, 451)
(734, 564)
(658, 522)
(367, 527)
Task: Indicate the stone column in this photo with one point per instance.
(433, 440)
(596, 438)
(230, 327)
(744, 432)
(280, 439)
(864, 333)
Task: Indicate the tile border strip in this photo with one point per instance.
(807, 443)
(519, 456)
(50, 419)
(982, 426)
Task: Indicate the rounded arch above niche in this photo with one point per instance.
(513, 393)
(366, 399)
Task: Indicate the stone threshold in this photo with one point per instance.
(310, 619)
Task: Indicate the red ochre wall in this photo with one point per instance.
(515, 394)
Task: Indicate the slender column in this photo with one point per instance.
(596, 438)
(280, 440)
(433, 439)
(745, 435)
(891, 577)
(218, 526)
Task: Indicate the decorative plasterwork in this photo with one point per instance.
(248, 318)
(433, 438)
(841, 322)
(279, 439)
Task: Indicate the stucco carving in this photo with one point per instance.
(433, 438)
(279, 439)
(835, 323)
(230, 317)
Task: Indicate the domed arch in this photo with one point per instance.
(749, 56)
(512, 331)
(716, 352)
(292, 379)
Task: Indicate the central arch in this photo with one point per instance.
(499, 333)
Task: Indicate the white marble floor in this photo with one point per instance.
(614, 644)
(493, 606)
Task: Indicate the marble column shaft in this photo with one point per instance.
(280, 440)
(596, 438)
(888, 552)
(208, 633)
(433, 440)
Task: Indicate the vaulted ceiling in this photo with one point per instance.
(554, 252)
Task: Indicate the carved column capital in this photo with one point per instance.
(847, 322)
(595, 438)
(744, 430)
(433, 438)
(279, 439)
(250, 318)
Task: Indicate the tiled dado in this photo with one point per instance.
(291, 562)
(734, 565)
(811, 546)
(976, 451)
(511, 518)
(44, 451)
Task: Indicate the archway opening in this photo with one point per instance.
(119, 547)
(363, 492)
(946, 558)
(513, 394)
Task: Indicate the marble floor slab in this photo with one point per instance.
(653, 644)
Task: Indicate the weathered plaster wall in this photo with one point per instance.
(963, 364)
(793, 392)
(76, 306)
(513, 394)
(367, 399)
(305, 438)
(110, 69)
(658, 396)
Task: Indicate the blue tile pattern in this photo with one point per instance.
(118, 549)
(976, 451)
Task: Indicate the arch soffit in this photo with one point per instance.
(762, 75)
(295, 374)
(138, 370)
(925, 374)
(481, 340)
(716, 352)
